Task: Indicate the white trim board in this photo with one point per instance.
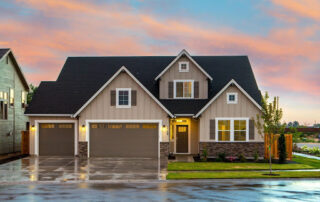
(190, 58)
(88, 121)
(232, 81)
(36, 138)
(123, 68)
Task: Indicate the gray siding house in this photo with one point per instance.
(13, 97)
(148, 106)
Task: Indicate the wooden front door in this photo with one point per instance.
(182, 139)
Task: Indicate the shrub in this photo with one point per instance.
(256, 156)
(222, 156)
(242, 158)
(282, 149)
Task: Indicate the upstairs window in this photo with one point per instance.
(183, 66)
(11, 101)
(232, 98)
(123, 97)
(183, 89)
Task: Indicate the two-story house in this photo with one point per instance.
(13, 100)
(148, 106)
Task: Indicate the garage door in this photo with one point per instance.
(56, 139)
(123, 140)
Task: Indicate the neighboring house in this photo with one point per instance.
(146, 106)
(13, 97)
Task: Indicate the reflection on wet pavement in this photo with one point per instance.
(58, 169)
(218, 190)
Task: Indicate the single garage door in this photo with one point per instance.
(56, 139)
(124, 140)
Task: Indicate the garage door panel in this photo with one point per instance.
(56, 139)
(124, 140)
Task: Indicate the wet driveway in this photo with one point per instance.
(214, 190)
(66, 169)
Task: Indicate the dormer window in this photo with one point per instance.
(232, 98)
(183, 89)
(183, 66)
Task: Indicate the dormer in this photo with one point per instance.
(183, 78)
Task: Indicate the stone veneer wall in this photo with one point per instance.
(248, 149)
(164, 149)
(83, 149)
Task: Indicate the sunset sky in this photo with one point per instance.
(281, 38)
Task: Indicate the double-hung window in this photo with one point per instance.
(123, 97)
(232, 129)
(183, 89)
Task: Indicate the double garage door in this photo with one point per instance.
(123, 140)
(105, 139)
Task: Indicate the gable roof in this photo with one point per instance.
(82, 77)
(123, 68)
(184, 52)
(7, 51)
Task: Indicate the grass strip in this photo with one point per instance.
(241, 175)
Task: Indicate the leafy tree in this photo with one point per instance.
(282, 149)
(32, 91)
(268, 122)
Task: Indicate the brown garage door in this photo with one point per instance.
(56, 139)
(124, 140)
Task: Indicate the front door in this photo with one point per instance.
(182, 139)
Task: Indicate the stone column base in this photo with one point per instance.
(83, 149)
(248, 149)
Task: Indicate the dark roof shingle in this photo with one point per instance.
(81, 77)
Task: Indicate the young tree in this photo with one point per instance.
(33, 89)
(268, 122)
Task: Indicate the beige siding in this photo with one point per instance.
(32, 120)
(146, 109)
(173, 74)
(219, 108)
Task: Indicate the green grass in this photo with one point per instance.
(302, 163)
(241, 175)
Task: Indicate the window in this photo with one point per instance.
(11, 97)
(183, 89)
(232, 98)
(183, 66)
(232, 129)
(23, 99)
(123, 97)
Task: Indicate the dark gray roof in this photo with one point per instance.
(81, 77)
(3, 51)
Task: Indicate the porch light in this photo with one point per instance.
(83, 127)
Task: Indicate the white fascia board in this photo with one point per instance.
(123, 68)
(190, 58)
(232, 81)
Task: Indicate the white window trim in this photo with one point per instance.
(184, 70)
(117, 97)
(174, 89)
(232, 128)
(235, 98)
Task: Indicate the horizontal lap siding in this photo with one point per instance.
(220, 108)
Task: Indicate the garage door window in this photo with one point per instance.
(123, 97)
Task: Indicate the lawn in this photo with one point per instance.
(301, 163)
(242, 175)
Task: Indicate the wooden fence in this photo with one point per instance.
(274, 146)
(24, 142)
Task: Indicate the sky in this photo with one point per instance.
(280, 37)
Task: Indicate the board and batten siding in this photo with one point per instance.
(32, 120)
(173, 74)
(219, 108)
(16, 122)
(146, 108)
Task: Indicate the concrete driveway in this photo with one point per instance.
(66, 169)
